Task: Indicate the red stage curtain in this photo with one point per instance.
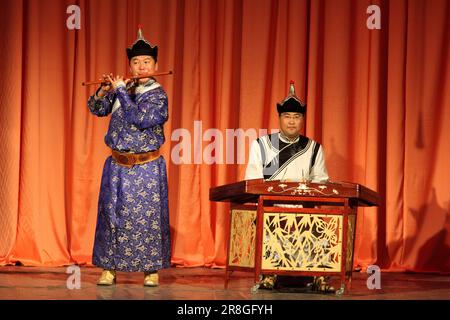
(378, 101)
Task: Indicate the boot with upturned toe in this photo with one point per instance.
(151, 279)
(321, 285)
(268, 281)
(107, 278)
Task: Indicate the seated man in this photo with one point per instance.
(288, 156)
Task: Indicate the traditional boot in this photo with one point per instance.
(107, 278)
(321, 284)
(268, 281)
(151, 279)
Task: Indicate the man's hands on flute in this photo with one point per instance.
(105, 86)
(117, 81)
(111, 83)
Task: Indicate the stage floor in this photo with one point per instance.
(37, 283)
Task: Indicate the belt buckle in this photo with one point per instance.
(124, 159)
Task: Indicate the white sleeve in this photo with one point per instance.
(255, 166)
(319, 171)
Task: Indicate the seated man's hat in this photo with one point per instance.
(291, 103)
(142, 47)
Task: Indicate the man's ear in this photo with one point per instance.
(156, 66)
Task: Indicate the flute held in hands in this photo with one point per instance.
(102, 82)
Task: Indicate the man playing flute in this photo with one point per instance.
(132, 232)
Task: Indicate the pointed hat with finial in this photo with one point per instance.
(142, 47)
(291, 103)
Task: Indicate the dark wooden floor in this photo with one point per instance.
(35, 283)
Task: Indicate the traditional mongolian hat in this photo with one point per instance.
(291, 103)
(142, 47)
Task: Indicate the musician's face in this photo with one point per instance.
(291, 123)
(142, 65)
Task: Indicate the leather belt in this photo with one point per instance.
(128, 160)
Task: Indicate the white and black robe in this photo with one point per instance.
(273, 157)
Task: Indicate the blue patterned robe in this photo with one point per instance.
(133, 232)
